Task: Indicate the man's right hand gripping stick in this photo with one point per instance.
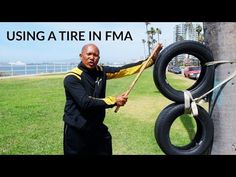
(152, 56)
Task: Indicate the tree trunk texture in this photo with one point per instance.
(221, 38)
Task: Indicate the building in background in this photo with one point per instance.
(186, 31)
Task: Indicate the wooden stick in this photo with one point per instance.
(138, 75)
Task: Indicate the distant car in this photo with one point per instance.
(192, 72)
(176, 70)
(169, 68)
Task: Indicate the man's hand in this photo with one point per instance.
(156, 51)
(121, 99)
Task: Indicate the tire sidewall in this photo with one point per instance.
(166, 119)
(201, 86)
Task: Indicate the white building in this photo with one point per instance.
(185, 31)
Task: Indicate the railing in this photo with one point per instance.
(34, 69)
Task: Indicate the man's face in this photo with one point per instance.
(90, 56)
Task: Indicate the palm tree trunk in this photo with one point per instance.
(148, 44)
(221, 38)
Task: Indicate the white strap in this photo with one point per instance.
(194, 108)
(189, 104)
(223, 82)
(218, 62)
(187, 95)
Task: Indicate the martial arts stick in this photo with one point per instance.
(139, 74)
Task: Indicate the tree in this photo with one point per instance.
(148, 43)
(221, 38)
(151, 33)
(158, 31)
(180, 38)
(199, 30)
(144, 41)
(150, 36)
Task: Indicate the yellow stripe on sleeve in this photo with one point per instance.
(128, 71)
(124, 72)
(110, 100)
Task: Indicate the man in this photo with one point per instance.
(84, 113)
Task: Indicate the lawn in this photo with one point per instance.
(31, 111)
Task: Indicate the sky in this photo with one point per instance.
(61, 42)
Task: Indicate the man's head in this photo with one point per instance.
(90, 55)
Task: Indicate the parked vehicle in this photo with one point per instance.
(192, 72)
(176, 70)
(169, 68)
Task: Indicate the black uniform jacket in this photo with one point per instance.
(85, 92)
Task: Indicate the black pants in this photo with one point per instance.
(89, 141)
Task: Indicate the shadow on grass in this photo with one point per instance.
(188, 123)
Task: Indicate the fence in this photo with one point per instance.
(31, 69)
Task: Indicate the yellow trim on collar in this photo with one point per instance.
(73, 75)
(76, 70)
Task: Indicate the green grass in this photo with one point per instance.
(31, 115)
(31, 111)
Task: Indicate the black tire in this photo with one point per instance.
(203, 137)
(205, 80)
(197, 136)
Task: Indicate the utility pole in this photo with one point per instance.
(221, 38)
